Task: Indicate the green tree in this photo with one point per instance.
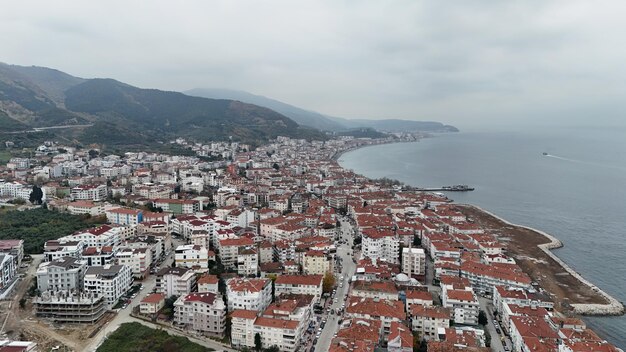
(482, 318)
(36, 196)
(168, 307)
(275, 166)
(258, 344)
(328, 282)
(23, 302)
(273, 277)
(273, 348)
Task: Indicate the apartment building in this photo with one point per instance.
(316, 263)
(204, 313)
(249, 294)
(190, 256)
(110, 281)
(380, 245)
(413, 262)
(427, 321)
(175, 281)
(95, 193)
(64, 274)
(299, 284)
(138, 259)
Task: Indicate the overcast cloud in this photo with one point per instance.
(460, 62)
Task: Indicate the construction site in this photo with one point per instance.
(63, 322)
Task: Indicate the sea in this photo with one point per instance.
(577, 192)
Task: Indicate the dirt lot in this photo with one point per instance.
(21, 324)
(551, 276)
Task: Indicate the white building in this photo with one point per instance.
(124, 216)
(427, 320)
(103, 236)
(316, 263)
(413, 261)
(65, 274)
(208, 283)
(175, 281)
(464, 304)
(7, 269)
(83, 207)
(189, 256)
(201, 312)
(152, 303)
(381, 245)
(299, 284)
(110, 281)
(249, 294)
(94, 193)
(138, 259)
(247, 262)
(57, 249)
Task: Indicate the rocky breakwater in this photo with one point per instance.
(612, 307)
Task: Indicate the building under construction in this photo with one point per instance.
(70, 307)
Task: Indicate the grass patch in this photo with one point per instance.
(5, 156)
(135, 337)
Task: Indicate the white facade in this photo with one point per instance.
(7, 269)
(103, 236)
(413, 261)
(189, 256)
(175, 281)
(249, 294)
(201, 312)
(381, 247)
(138, 259)
(65, 274)
(94, 193)
(110, 281)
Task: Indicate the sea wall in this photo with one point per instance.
(614, 307)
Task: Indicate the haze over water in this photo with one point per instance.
(577, 193)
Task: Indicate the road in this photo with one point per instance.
(39, 129)
(348, 270)
(496, 342)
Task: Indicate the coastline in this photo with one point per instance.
(338, 154)
(612, 307)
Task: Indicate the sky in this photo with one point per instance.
(460, 62)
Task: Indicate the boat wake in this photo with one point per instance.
(584, 162)
(562, 158)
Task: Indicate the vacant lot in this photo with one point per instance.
(543, 269)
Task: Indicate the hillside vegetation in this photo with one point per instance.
(36, 226)
(125, 115)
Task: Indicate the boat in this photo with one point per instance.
(545, 154)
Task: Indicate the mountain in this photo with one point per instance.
(53, 82)
(320, 121)
(301, 116)
(397, 125)
(110, 112)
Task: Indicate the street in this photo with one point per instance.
(123, 315)
(496, 342)
(348, 269)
